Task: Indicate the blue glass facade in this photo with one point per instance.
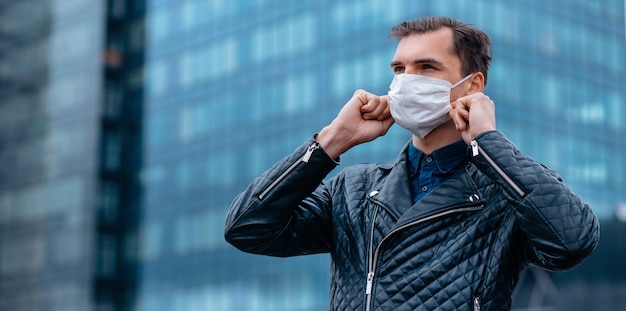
(231, 87)
(234, 86)
(50, 77)
(227, 89)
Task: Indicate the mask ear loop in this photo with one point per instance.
(462, 80)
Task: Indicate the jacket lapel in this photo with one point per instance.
(394, 194)
(456, 191)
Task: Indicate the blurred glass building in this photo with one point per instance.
(49, 88)
(70, 153)
(127, 128)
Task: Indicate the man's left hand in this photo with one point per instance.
(473, 114)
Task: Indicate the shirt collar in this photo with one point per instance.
(446, 158)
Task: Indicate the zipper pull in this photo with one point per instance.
(309, 152)
(370, 282)
(476, 303)
(474, 144)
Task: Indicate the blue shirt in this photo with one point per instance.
(427, 171)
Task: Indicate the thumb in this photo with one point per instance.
(387, 123)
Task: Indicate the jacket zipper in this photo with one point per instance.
(370, 255)
(373, 260)
(476, 150)
(305, 158)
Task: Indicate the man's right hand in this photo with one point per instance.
(363, 118)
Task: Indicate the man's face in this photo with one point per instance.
(428, 54)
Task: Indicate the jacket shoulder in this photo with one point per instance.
(362, 176)
(366, 169)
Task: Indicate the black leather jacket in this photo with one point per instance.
(461, 247)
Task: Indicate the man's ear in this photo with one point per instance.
(476, 83)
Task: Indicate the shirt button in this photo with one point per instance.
(424, 188)
(429, 159)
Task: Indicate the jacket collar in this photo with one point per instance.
(394, 193)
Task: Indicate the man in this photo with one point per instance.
(449, 224)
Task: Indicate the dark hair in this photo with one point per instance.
(471, 45)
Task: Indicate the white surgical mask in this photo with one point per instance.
(420, 103)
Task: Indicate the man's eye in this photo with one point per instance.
(398, 69)
(427, 66)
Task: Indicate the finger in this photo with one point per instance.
(378, 109)
(386, 114)
(370, 104)
(360, 98)
(458, 121)
(387, 123)
(457, 116)
(374, 108)
(463, 113)
(463, 106)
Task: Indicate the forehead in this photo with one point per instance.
(434, 44)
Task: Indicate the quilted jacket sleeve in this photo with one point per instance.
(559, 229)
(285, 211)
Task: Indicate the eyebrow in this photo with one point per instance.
(418, 61)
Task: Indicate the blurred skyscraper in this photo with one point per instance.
(216, 92)
(70, 153)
